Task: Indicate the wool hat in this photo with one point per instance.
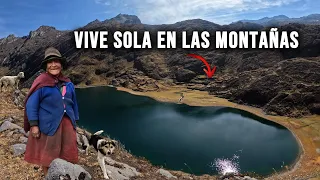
(52, 53)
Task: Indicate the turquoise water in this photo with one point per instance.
(187, 138)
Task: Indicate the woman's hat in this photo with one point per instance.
(52, 53)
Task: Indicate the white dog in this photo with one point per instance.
(12, 81)
(103, 147)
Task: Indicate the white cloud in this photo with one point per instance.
(171, 11)
(105, 2)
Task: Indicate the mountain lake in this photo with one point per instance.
(197, 140)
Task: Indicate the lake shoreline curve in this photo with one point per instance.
(300, 168)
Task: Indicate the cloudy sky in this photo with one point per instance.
(21, 16)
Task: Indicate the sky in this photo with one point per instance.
(19, 17)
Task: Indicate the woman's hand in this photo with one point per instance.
(35, 131)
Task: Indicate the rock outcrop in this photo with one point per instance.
(166, 174)
(7, 125)
(10, 129)
(288, 88)
(120, 171)
(61, 169)
(233, 176)
(18, 98)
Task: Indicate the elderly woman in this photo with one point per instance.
(51, 113)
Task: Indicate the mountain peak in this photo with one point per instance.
(41, 31)
(46, 28)
(126, 19)
(10, 38)
(93, 23)
(311, 16)
(196, 23)
(280, 17)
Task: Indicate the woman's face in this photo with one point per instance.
(54, 67)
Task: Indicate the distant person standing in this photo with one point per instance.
(51, 113)
(181, 97)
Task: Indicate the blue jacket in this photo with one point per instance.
(46, 107)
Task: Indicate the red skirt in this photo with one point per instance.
(63, 144)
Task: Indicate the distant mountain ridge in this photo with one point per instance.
(200, 24)
(281, 81)
(282, 20)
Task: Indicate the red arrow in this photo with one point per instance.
(208, 71)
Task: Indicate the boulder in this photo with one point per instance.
(23, 139)
(18, 149)
(61, 169)
(166, 173)
(23, 132)
(18, 98)
(9, 126)
(116, 173)
(82, 141)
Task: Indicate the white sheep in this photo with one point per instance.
(12, 81)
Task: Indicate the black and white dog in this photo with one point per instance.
(103, 147)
